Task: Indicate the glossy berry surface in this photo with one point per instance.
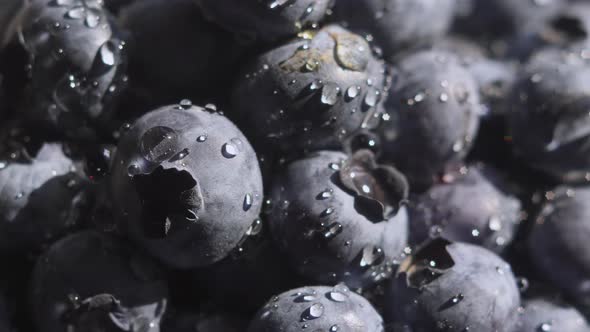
(317, 308)
(77, 65)
(432, 115)
(490, 219)
(267, 20)
(186, 184)
(310, 93)
(95, 282)
(455, 287)
(340, 218)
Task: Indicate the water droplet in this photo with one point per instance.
(133, 170)
(3, 165)
(314, 312)
(316, 85)
(371, 255)
(337, 296)
(474, 233)
(333, 230)
(19, 196)
(495, 224)
(443, 97)
(330, 94)
(456, 299)
(202, 138)
(76, 13)
(255, 228)
(334, 328)
(546, 327)
(158, 144)
(326, 194)
(185, 104)
(92, 18)
(353, 91)
(247, 202)
(435, 231)
(458, 146)
(191, 216)
(108, 53)
(352, 51)
(327, 212)
(275, 4)
(334, 166)
(229, 150)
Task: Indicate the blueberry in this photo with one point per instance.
(340, 219)
(433, 116)
(77, 65)
(397, 25)
(490, 219)
(267, 20)
(186, 185)
(447, 286)
(183, 55)
(94, 282)
(318, 308)
(313, 92)
(42, 197)
(492, 19)
(558, 242)
(542, 314)
(549, 120)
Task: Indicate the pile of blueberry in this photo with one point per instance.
(294, 165)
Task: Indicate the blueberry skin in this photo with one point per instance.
(265, 21)
(310, 93)
(332, 233)
(453, 287)
(549, 121)
(198, 178)
(317, 308)
(184, 55)
(558, 243)
(74, 277)
(397, 25)
(433, 109)
(489, 219)
(77, 66)
(41, 199)
(4, 320)
(541, 314)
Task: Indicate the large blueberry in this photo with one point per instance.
(186, 185)
(94, 282)
(453, 287)
(489, 219)
(267, 20)
(312, 92)
(77, 65)
(540, 315)
(41, 198)
(558, 243)
(318, 308)
(397, 25)
(549, 120)
(340, 218)
(183, 55)
(433, 115)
